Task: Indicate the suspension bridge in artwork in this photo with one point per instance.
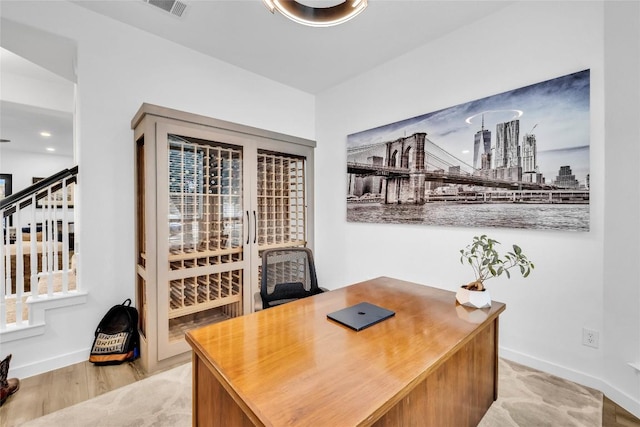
(401, 171)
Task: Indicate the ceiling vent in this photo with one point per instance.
(174, 7)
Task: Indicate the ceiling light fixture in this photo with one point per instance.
(317, 16)
(45, 133)
(51, 149)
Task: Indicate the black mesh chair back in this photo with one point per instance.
(288, 274)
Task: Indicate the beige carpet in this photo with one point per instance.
(527, 398)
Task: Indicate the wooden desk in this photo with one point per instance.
(291, 366)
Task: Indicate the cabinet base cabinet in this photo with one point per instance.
(149, 361)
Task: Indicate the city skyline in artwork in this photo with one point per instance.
(556, 111)
(534, 138)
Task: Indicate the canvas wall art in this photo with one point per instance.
(518, 159)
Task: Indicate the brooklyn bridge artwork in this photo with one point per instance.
(518, 159)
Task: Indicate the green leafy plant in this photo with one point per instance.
(487, 263)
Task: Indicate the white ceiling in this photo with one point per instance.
(244, 33)
(21, 123)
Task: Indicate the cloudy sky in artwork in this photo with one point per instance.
(556, 111)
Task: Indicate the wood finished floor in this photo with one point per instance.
(615, 416)
(54, 390)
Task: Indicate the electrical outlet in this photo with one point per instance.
(590, 338)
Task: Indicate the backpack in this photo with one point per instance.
(116, 338)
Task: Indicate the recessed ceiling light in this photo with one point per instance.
(45, 133)
(51, 149)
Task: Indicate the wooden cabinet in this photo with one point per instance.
(211, 195)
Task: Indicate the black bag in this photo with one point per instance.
(116, 338)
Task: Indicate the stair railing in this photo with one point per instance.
(37, 236)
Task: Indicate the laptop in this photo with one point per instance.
(361, 316)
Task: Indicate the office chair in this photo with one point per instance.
(288, 274)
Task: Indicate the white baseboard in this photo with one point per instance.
(622, 399)
(43, 366)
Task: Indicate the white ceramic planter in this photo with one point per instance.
(476, 299)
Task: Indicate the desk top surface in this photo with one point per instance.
(293, 366)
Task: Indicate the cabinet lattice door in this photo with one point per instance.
(205, 229)
(281, 200)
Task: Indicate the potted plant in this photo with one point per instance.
(487, 263)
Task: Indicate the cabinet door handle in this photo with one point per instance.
(255, 227)
(248, 228)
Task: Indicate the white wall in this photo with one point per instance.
(52, 52)
(118, 69)
(526, 43)
(622, 204)
(24, 90)
(23, 166)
